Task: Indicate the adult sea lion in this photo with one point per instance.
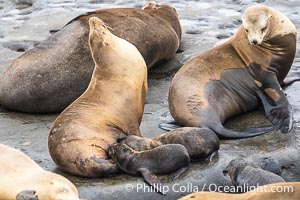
(201, 143)
(21, 177)
(109, 109)
(237, 75)
(160, 160)
(53, 74)
(276, 191)
(247, 175)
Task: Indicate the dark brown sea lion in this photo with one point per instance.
(159, 160)
(50, 76)
(246, 175)
(276, 191)
(268, 163)
(201, 143)
(111, 107)
(22, 178)
(237, 75)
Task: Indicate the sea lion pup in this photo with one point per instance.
(201, 143)
(276, 191)
(160, 160)
(268, 163)
(111, 107)
(247, 175)
(237, 75)
(22, 178)
(53, 74)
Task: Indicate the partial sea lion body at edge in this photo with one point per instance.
(21, 176)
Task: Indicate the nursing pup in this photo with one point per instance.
(160, 160)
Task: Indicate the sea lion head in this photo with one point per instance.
(234, 167)
(165, 12)
(256, 22)
(118, 152)
(99, 37)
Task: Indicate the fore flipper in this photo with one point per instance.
(277, 108)
(212, 156)
(177, 173)
(27, 195)
(152, 180)
(169, 126)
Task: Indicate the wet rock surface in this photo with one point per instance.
(205, 24)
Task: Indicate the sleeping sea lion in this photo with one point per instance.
(53, 74)
(201, 143)
(23, 179)
(247, 175)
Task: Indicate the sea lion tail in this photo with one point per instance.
(238, 134)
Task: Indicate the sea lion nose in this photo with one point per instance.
(254, 41)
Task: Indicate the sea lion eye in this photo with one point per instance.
(246, 30)
(263, 29)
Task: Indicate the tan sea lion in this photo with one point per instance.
(237, 75)
(21, 177)
(163, 159)
(111, 107)
(53, 74)
(276, 191)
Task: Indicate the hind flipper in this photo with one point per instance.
(225, 133)
(169, 126)
(289, 81)
(152, 180)
(177, 173)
